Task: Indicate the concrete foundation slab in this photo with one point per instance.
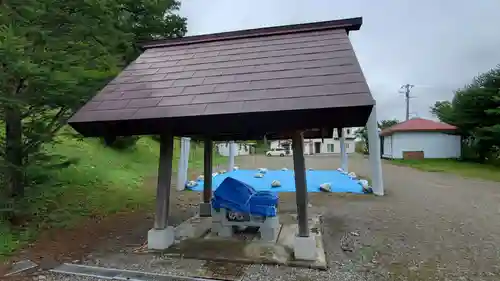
(304, 248)
(194, 227)
(287, 238)
(205, 210)
(268, 227)
(117, 274)
(249, 248)
(160, 239)
(24, 266)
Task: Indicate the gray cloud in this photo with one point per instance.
(438, 46)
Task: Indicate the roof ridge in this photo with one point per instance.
(347, 24)
(418, 124)
(239, 85)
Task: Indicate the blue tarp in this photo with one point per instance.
(339, 182)
(238, 196)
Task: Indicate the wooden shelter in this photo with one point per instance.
(277, 82)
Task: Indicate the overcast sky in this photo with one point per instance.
(437, 45)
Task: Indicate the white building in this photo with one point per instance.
(419, 138)
(324, 146)
(241, 148)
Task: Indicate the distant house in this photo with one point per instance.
(241, 148)
(420, 138)
(323, 146)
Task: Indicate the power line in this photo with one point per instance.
(406, 90)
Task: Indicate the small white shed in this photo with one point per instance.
(420, 138)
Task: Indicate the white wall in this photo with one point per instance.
(223, 149)
(350, 143)
(349, 132)
(350, 146)
(387, 147)
(310, 149)
(434, 144)
(276, 144)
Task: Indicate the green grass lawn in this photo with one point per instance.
(464, 169)
(103, 181)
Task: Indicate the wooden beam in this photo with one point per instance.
(299, 166)
(207, 171)
(164, 181)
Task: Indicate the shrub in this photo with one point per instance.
(121, 143)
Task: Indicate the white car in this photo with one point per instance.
(279, 151)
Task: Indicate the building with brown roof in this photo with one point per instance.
(420, 138)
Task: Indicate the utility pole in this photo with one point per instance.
(406, 90)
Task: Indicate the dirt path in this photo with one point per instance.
(98, 236)
(429, 226)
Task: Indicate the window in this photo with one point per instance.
(330, 147)
(347, 146)
(348, 131)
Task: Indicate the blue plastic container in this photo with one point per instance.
(238, 196)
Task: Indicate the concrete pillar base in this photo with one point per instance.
(205, 210)
(225, 231)
(160, 239)
(304, 248)
(186, 231)
(216, 221)
(269, 234)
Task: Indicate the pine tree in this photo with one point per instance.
(475, 110)
(55, 55)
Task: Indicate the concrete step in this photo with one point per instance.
(118, 274)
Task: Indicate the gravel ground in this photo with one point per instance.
(429, 226)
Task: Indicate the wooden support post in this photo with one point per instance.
(164, 181)
(207, 170)
(299, 166)
(374, 150)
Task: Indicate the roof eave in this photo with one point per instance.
(347, 24)
(390, 133)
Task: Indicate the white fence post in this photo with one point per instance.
(374, 150)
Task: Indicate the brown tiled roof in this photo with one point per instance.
(233, 84)
(418, 125)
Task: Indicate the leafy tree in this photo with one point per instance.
(384, 124)
(443, 110)
(475, 110)
(146, 20)
(54, 55)
(363, 132)
(121, 143)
